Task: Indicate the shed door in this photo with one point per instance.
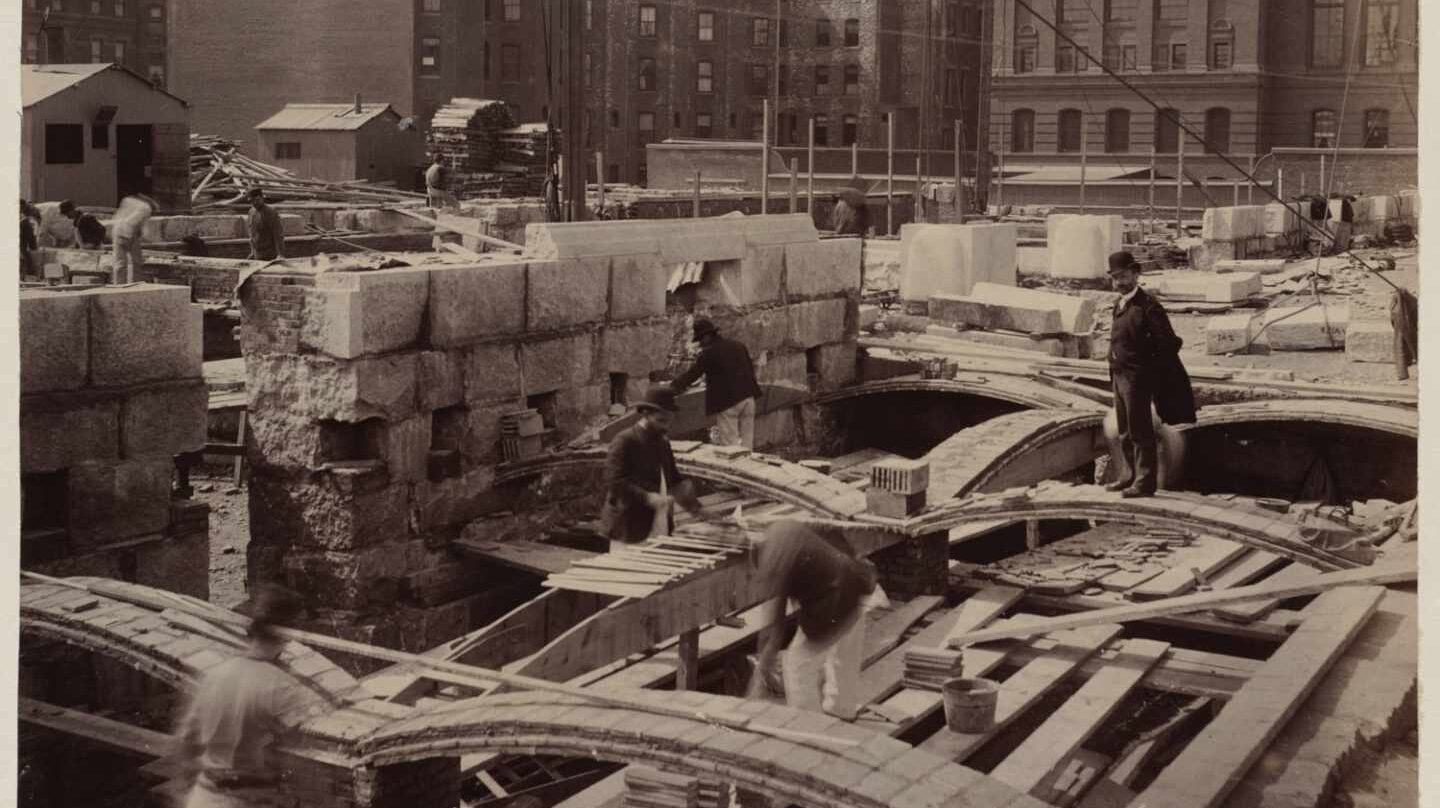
(170, 176)
(134, 152)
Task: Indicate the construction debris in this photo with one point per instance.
(221, 176)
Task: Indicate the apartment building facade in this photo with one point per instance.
(131, 33)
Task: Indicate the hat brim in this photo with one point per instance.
(646, 406)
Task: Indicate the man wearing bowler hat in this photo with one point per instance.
(730, 386)
(641, 479)
(1145, 369)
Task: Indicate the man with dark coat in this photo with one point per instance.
(641, 479)
(730, 386)
(267, 233)
(1145, 368)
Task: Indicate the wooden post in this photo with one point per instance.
(600, 179)
(810, 163)
(1250, 186)
(1280, 181)
(890, 173)
(1000, 177)
(1235, 197)
(1179, 177)
(1084, 157)
(1032, 534)
(765, 158)
(855, 158)
(959, 209)
(1154, 166)
(697, 194)
(573, 132)
(1322, 175)
(918, 162)
(687, 672)
(963, 198)
(794, 174)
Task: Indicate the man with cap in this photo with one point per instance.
(1145, 369)
(730, 386)
(641, 480)
(267, 234)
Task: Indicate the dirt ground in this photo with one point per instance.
(229, 535)
(1390, 778)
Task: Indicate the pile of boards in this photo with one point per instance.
(651, 788)
(1119, 558)
(487, 154)
(1027, 319)
(638, 570)
(928, 668)
(220, 176)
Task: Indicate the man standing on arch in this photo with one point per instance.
(730, 386)
(1145, 369)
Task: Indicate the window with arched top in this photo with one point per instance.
(1377, 128)
(1117, 131)
(1324, 131)
(1167, 131)
(1027, 47)
(1217, 130)
(1022, 131)
(1068, 135)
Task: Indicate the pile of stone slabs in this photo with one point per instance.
(1026, 319)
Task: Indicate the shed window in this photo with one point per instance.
(287, 151)
(64, 143)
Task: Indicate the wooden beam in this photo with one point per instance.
(687, 671)
(115, 736)
(982, 607)
(1386, 574)
(463, 229)
(1216, 761)
(1251, 610)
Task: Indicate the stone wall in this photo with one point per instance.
(376, 397)
(110, 392)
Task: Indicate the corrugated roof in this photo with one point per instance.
(39, 82)
(324, 117)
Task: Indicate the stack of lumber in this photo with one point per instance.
(651, 788)
(522, 159)
(220, 176)
(474, 139)
(1026, 319)
(638, 570)
(928, 668)
(1114, 557)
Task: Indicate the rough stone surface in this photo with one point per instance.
(110, 502)
(404, 446)
(751, 280)
(454, 501)
(637, 287)
(817, 322)
(1230, 287)
(635, 350)
(556, 364)
(952, 258)
(775, 428)
(352, 391)
(828, 267)
(492, 372)
(164, 421)
(284, 440)
(54, 438)
(838, 365)
(765, 330)
(1280, 219)
(707, 239)
(143, 333)
(1235, 223)
(1080, 246)
(594, 239)
(1263, 266)
(565, 293)
(362, 580)
(468, 303)
(1370, 341)
(316, 513)
(788, 369)
(576, 407)
(1077, 314)
(1229, 333)
(54, 341)
(179, 564)
(991, 316)
(441, 379)
(350, 314)
(1321, 327)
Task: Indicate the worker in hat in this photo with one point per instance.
(641, 480)
(127, 231)
(730, 386)
(267, 233)
(1145, 370)
(239, 708)
(89, 233)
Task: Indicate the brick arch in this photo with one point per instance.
(1020, 390)
(876, 772)
(1398, 421)
(1016, 449)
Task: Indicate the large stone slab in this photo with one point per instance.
(1370, 341)
(763, 330)
(1080, 246)
(788, 369)
(565, 293)
(143, 333)
(838, 365)
(56, 433)
(635, 350)
(708, 239)
(1281, 219)
(817, 322)
(469, 303)
(777, 228)
(553, 364)
(1235, 223)
(350, 314)
(754, 279)
(164, 421)
(110, 502)
(1230, 287)
(1263, 266)
(54, 341)
(1077, 314)
(954, 309)
(354, 390)
(550, 240)
(441, 379)
(952, 258)
(637, 287)
(1051, 346)
(1230, 333)
(1316, 328)
(492, 372)
(828, 267)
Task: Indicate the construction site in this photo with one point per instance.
(409, 419)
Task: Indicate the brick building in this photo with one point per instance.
(1250, 76)
(694, 68)
(126, 32)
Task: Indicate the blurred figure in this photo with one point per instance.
(56, 229)
(1169, 451)
(29, 243)
(267, 233)
(641, 478)
(128, 231)
(234, 715)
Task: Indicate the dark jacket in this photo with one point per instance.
(1144, 346)
(817, 571)
(637, 458)
(729, 375)
(267, 234)
(89, 230)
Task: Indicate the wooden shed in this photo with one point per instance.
(342, 142)
(94, 133)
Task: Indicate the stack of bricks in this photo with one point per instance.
(377, 396)
(111, 391)
(897, 487)
(651, 788)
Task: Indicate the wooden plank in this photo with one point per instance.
(1377, 575)
(687, 671)
(982, 607)
(1250, 611)
(1079, 717)
(1216, 761)
(1247, 570)
(116, 736)
(1072, 777)
(885, 633)
(1212, 555)
(528, 556)
(1195, 673)
(604, 794)
(1202, 621)
(1022, 690)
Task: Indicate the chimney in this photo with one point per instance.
(359, 109)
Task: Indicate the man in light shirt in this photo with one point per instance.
(128, 233)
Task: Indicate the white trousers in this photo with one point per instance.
(825, 677)
(128, 261)
(736, 425)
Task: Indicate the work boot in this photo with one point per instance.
(1136, 491)
(1119, 485)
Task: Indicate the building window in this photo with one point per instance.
(647, 21)
(707, 26)
(1167, 131)
(1324, 134)
(647, 75)
(120, 53)
(485, 61)
(1220, 56)
(1068, 134)
(1217, 131)
(511, 11)
(822, 32)
(852, 33)
(850, 130)
(952, 19)
(587, 66)
(731, 122)
(119, 8)
(157, 11)
(429, 56)
(1173, 9)
(1127, 58)
(64, 143)
(822, 130)
(1027, 44)
(97, 6)
(1377, 128)
(952, 86)
(852, 79)
(822, 79)
(614, 119)
(1110, 57)
(784, 33)
(1117, 131)
(287, 151)
(157, 75)
(1327, 33)
(431, 6)
(757, 124)
(589, 14)
(759, 32)
(1022, 131)
(509, 62)
(97, 50)
(704, 76)
(1178, 55)
(32, 49)
(1382, 20)
(1120, 10)
(783, 79)
(702, 124)
(645, 125)
(759, 80)
(1065, 59)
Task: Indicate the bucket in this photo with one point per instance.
(969, 704)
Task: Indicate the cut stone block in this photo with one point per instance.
(403, 445)
(279, 440)
(176, 564)
(892, 505)
(709, 239)
(143, 333)
(356, 390)
(1230, 333)
(816, 323)
(880, 258)
(350, 314)
(110, 502)
(1048, 345)
(376, 220)
(441, 380)
(1281, 219)
(952, 258)
(1370, 341)
(637, 287)
(1077, 314)
(869, 316)
(54, 341)
(554, 364)
(827, 267)
(164, 421)
(1209, 287)
(1033, 260)
(764, 330)
(58, 433)
(777, 228)
(577, 407)
(990, 316)
(1321, 327)
(593, 239)
(775, 428)
(1234, 223)
(1263, 266)
(292, 225)
(566, 293)
(783, 369)
(468, 303)
(635, 350)
(752, 280)
(1080, 246)
(352, 581)
(492, 372)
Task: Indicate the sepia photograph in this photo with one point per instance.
(714, 404)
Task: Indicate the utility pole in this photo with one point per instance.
(889, 172)
(574, 121)
(765, 159)
(1179, 176)
(1084, 157)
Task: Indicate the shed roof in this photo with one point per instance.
(39, 82)
(325, 117)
